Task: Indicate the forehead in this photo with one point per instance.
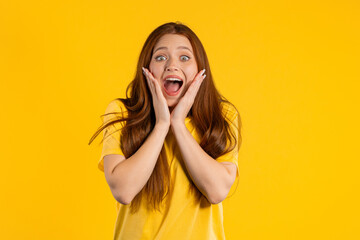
(173, 41)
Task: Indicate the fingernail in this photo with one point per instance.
(204, 76)
(203, 71)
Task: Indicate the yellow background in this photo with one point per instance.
(291, 68)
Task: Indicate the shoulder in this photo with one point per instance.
(229, 110)
(115, 109)
(115, 105)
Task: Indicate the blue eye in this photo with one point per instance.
(157, 58)
(185, 56)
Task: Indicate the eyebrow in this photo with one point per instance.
(180, 47)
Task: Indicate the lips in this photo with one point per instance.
(173, 76)
(172, 93)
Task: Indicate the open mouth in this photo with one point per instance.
(172, 85)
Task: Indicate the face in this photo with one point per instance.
(173, 55)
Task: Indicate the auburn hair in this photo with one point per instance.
(206, 116)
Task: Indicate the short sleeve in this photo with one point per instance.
(112, 133)
(233, 118)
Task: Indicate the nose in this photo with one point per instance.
(171, 66)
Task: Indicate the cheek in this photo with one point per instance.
(191, 75)
(155, 70)
(191, 71)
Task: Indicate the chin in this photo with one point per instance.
(172, 102)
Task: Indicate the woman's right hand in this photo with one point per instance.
(160, 104)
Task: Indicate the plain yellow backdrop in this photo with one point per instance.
(291, 68)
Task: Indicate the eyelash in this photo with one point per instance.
(156, 58)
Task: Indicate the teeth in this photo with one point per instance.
(173, 79)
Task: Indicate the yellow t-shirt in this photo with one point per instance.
(185, 218)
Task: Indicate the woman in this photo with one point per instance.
(170, 148)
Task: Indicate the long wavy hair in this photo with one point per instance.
(206, 116)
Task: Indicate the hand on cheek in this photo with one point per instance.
(182, 109)
(159, 102)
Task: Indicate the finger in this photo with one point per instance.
(195, 85)
(151, 79)
(149, 82)
(156, 84)
(199, 75)
(198, 79)
(157, 87)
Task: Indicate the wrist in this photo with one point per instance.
(163, 127)
(177, 124)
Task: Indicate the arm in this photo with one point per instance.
(213, 179)
(128, 177)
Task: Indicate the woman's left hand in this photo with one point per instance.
(182, 109)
